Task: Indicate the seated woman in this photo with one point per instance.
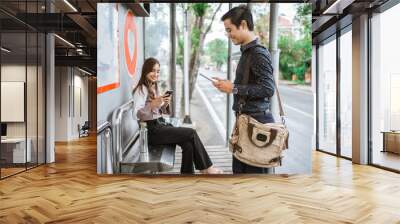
(149, 107)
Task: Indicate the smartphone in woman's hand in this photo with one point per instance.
(168, 93)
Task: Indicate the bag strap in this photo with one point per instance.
(245, 81)
(281, 111)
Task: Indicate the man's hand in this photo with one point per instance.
(223, 85)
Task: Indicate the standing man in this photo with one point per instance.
(260, 88)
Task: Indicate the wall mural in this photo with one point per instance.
(130, 36)
(108, 46)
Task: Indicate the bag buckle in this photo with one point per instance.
(283, 120)
(240, 108)
(236, 148)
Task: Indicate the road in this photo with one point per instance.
(299, 108)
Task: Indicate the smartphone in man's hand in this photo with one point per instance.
(209, 78)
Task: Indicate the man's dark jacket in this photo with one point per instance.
(261, 85)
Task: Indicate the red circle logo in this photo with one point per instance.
(130, 26)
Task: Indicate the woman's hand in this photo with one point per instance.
(156, 102)
(167, 100)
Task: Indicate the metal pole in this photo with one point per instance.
(0, 90)
(186, 68)
(273, 47)
(250, 5)
(173, 56)
(229, 96)
(338, 99)
(144, 37)
(50, 92)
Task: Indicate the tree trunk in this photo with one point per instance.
(194, 63)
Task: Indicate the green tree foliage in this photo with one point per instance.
(293, 58)
(199, 9)
(202, 16)
(295, 55)
(303, 15)
(286, 58)
(195, 38)
(262, 28)
(217, 50)
(179, 55)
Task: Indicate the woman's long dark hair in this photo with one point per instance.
(148, 66)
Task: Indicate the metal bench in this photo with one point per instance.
(127, 146)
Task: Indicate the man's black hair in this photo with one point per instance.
(239, 13)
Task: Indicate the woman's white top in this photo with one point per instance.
(142, 110)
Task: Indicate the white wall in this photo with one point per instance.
(14, 73)
(79, 117)
(70, 83)
(61, 103)
(33, 126)
(17, 73)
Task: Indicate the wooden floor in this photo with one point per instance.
(387, 159)
(10, 171)
(70, 191)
